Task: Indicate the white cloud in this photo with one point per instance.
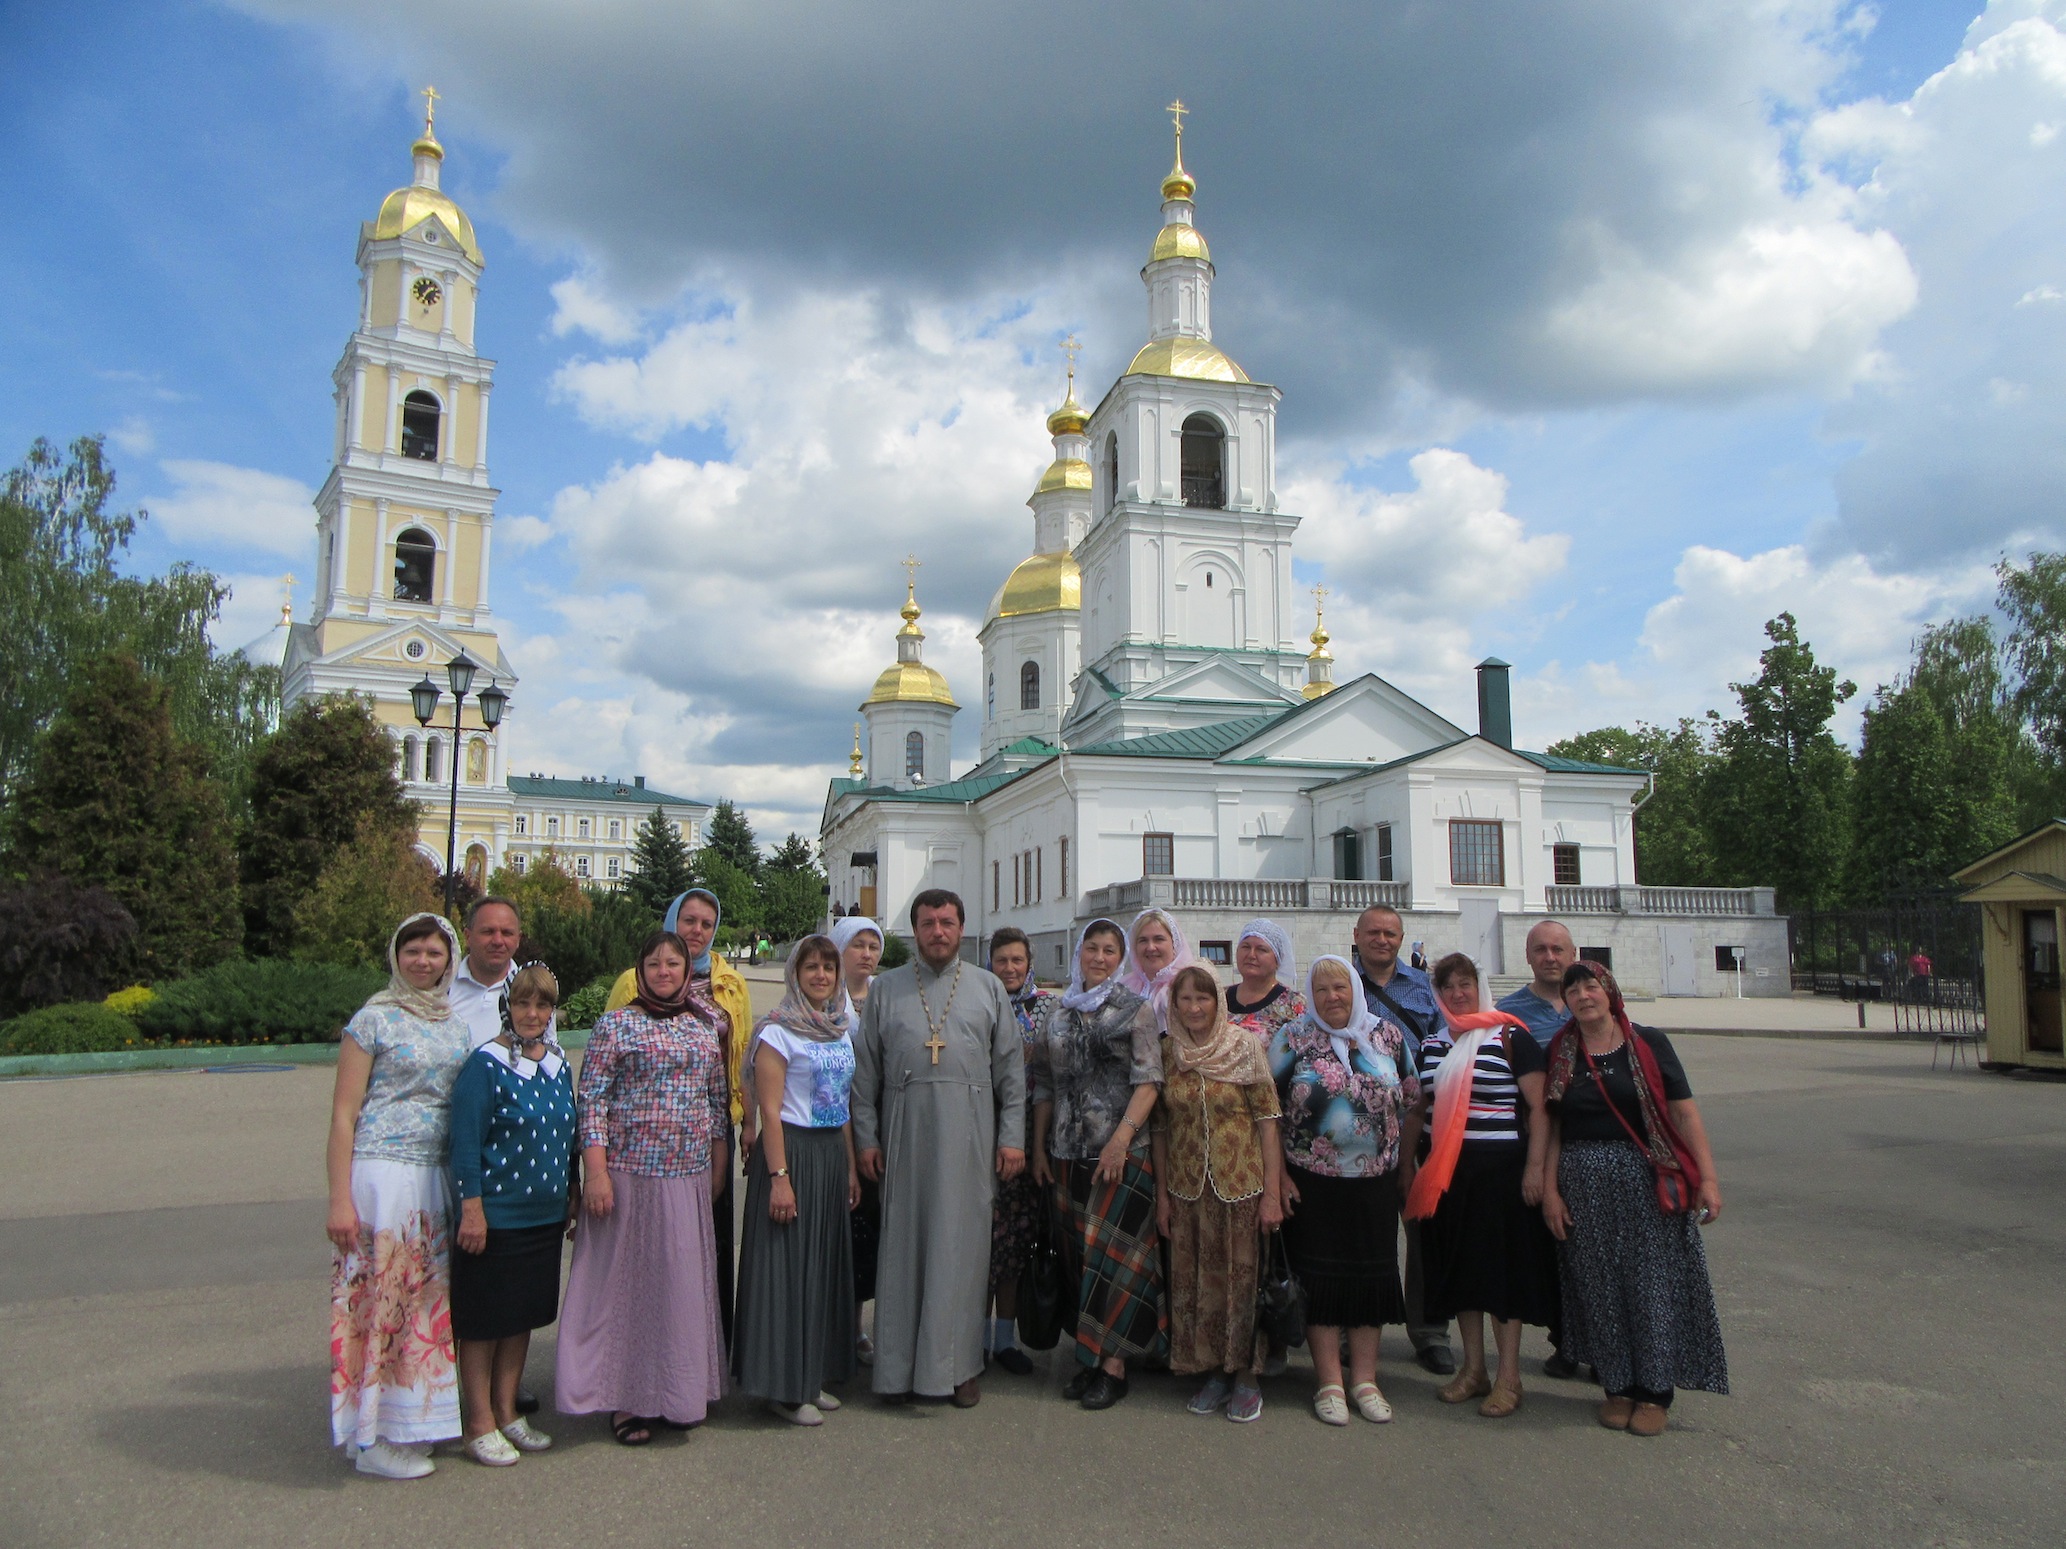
(580, 306)
(522, 532)
(135, 436)
(220, 504)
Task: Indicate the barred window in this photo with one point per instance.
(1564, 862)
(1158, 855)
(1384, 853)
(1477, 858)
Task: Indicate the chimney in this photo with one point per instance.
(1495, 702)
(639, 781)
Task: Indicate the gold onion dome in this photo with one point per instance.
(1179, 240)
(1064, 473)
(402, 211)
(908, 680)
(1178, 185)
(1072, 418)
(1045, 583)
(1199, 358)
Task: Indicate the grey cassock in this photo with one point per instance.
(938, 1127)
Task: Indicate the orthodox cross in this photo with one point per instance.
(430, 108)
(1176, 110)
(1071, 348)
(911, 563)
(1319, 600)
(933, 1040)
(287, 603)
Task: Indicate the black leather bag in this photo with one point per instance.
(1047, 1293)
(1280, 1301)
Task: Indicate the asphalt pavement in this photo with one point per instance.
(1889, 1266)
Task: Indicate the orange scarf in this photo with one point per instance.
(1452, 1106)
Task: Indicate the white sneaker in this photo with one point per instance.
(384, 1460)
(491, 1449)
(526, 1437)
(802, 1414)
(827, 1402)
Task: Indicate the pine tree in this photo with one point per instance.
(731, 836)
(115, 799)
(794, 854)
(659, 864)
(316, 786)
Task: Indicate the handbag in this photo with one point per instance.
(1047, 1297)
(1280, 1301)
(1678, 1186)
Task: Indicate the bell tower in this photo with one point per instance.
(405, 519)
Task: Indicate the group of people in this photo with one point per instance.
(914, 1138)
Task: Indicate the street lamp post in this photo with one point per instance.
(459, 672)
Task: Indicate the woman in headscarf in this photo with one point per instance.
(1351, 1121)
(640, 1334)
(1096, 1071)
(717, 993)
(1486, 1250)
(1155, 950)
(1266, 995)
(1624, 1130)
(394, 1386)
(1016, 1206)
(1217, 1191)
(859, 940)
(796, 1270)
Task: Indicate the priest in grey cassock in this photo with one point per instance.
(939, 1111)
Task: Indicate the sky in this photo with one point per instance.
(1605, 330)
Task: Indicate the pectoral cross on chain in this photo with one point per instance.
(933, 1040)
(935, 1043)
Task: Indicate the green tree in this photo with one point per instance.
(115, 798)
(365, 890)
(792, 903)
(1778, 796)
(738, 896)
(316, 785)
(731, 836)
(794, 854)
(63, 600)
(2034, 598)
(545, 884)
(659, 864)
(1672, 845)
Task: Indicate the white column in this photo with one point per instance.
(340, 559)
(448, 424)
(451, 554)
(392, 442)
(480, 434)
(449, 283)
(356, 413)
(480, 594)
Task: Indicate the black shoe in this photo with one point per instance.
(1014, 1361)
(1437, 1359)
(1105, 1390)
(1559, 1365)
(527, 1401)
(1079, 1384)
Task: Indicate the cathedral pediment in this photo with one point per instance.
(414, 646)
(1364, 721)
(1218, 679)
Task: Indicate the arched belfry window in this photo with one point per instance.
(914, 756)
(420, 427)
(1204, 464)
(416, 559)
(1111, 470)
(1029, 686)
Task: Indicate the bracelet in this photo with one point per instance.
(779, 1172)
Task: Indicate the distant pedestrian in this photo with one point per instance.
(1638, 1305)
(1921, 973)
(513, 1167)
(394, 1388)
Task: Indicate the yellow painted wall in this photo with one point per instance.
(387, 292)
(373, 413)
(2002, 946)
(463, 299)
(466, 421)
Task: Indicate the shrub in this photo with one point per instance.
(130, 1001)
(896, 952)
(368, 888)
(82, 1027)
(580, 1009)
(580, 946)
(61, 942)
(270, 1000)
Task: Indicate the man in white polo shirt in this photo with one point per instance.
(493, 932)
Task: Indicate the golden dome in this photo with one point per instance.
(1199, 358)
(407, 208)
(1177, 240)
(1046, 583)
(1064, 473)
(1069, 420)
(910, 683)
(1178, 184)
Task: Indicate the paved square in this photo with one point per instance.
(1890, 1271)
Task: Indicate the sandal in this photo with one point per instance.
(1502, 1402)
(1331, 1405)
(1370, 1403)
(1464, 1387)
(632, 1431)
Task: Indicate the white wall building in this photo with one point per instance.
(1152, 733)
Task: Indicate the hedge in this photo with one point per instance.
(78, 1027)
(266, 1000)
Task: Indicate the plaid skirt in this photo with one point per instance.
(1120, 1307)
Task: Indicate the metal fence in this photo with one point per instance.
(1918, 952)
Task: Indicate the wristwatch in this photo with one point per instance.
(779, 1172)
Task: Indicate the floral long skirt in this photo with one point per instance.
(392, 1376)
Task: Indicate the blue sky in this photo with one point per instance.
(1687, 315)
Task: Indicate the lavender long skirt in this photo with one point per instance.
(639, 1331)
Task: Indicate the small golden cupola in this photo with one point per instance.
(1178, 275)
(908, 680)
(1319, 661)
(407, 208)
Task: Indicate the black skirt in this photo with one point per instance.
(511, 1286)
(1485, 1249)
(1343, 1242)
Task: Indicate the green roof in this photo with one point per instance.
(1556, 765)
(551, 787)
(1028, 745)
(1191, 742)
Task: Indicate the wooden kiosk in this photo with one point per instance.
(2021, 891)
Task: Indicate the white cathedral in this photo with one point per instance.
(1152, 731)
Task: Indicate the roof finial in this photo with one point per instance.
(287, 602)
(853, 765)
(1319, 661)
(430, 114)
(1071, 417)
(427, 143)
(909, 611)
(1178, 185)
